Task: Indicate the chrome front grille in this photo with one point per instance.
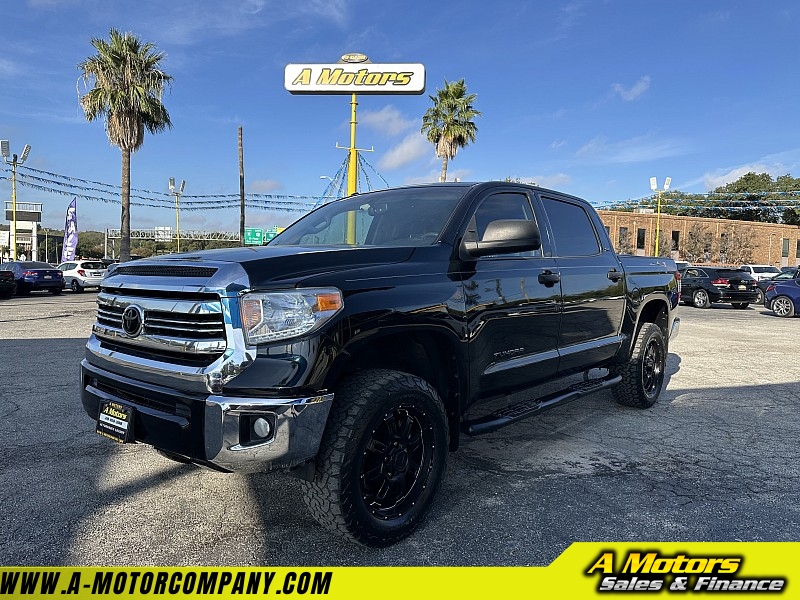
(170, 325)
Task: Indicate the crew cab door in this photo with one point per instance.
(592, 285)
(512, 305)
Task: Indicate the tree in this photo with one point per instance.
(697, 246)
(448, 124)
(736, 245)
(128, 86)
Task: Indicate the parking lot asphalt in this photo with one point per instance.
(714, 460)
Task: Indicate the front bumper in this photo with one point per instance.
(213, 430)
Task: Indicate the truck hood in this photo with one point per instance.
(269, 265)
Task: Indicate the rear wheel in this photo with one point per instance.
(782, 306)
(23, 290)
(643, 374)
(760, 296)
(740, 304)
(75, 286)
(55, 291)
(382, 458)
(700, 299)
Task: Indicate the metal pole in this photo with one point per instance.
(352, 171)
(658, 221)
(14, 207)
(241, 188)
(177, 222)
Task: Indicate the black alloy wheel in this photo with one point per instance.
(382, 457)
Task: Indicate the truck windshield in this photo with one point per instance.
(397, 217)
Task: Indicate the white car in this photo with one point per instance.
(759, 272)
(80, 274)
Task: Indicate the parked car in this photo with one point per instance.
(682, 264)
(760, 272)
(702, 286)
(763, 284)
(82, 274)
(31, 276)
(783, 297)
(7, 284)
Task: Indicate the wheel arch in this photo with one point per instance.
(432, 355)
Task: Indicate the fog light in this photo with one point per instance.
(262, 428)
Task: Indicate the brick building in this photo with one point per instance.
(703, 240)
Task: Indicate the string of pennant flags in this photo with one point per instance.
(55, 183)
(96, 191)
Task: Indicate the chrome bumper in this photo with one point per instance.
(216, 431)
(296, 426)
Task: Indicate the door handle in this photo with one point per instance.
(614, 275)
(549, 278)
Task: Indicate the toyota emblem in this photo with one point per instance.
(132, 320)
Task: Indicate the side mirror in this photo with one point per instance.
(503, 237)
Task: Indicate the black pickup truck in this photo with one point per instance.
(359, 345)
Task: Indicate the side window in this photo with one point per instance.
(691, 273)
(573, 232)
(502, 206)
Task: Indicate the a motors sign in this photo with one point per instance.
(355, 78)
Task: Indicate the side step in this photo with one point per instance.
(528, 408)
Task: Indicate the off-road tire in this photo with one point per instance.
(643, 374)
(382, 458)
(700, 299)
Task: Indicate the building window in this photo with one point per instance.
(797, 252)
(785, 248)
(676, 239)
(640, 233)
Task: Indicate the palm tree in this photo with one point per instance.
(127, 92)
(448, 123)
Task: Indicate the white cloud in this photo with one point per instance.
(264, 186)
(412, 147)
(780, 163)
(558, 144)
(7, 68)
(554, 181)
(387, 120)
(633, 150)
(634, 92)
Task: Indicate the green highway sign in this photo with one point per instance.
(253, 237)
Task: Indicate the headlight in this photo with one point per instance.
(272, 316)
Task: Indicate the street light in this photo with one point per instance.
(177, 193)
(4, 147)
(654, 187)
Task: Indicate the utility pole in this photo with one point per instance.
(241, 188)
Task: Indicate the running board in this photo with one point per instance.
(528, 408)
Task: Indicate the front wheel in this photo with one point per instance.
(700, 299)
(782, 306)
(382, 458)
(643, 374)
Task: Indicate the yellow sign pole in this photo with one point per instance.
(352, 171)
(658, 221)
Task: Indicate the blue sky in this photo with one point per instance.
(588, 97)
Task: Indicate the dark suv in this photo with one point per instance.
(702, 286)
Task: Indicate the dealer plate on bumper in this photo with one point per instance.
(115, 421)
